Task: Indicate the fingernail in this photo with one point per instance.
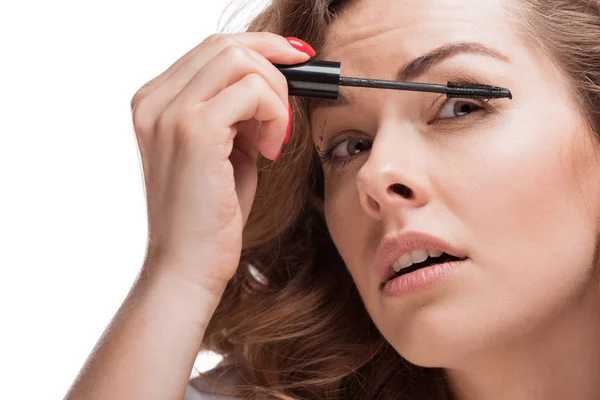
(278, 154)
(289, 127)
(301, 45)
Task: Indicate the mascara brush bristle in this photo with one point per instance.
(471, 90)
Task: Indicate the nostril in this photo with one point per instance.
(402, 190)
(373, 203)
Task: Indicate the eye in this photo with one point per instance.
(349, 147)
(342, 152)
(458, 108)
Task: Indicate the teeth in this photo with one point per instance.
(403, 262)
(414, 257)
(435, 253)
(419, 256)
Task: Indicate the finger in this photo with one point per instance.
(243, 158)
(159, 80)
(228, 67)
(266, 43)
(273, 47)
(253, 98)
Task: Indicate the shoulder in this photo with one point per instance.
(198, 389)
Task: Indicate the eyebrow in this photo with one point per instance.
(414, 69)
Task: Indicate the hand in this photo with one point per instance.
(199, 127)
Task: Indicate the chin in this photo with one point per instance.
(438, 339)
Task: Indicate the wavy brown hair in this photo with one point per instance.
(291, 321)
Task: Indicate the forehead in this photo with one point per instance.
(373, 38)
(373, 34)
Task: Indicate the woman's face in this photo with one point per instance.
(512, 183)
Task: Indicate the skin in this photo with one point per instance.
(514, 185)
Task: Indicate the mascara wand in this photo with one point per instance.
(322, 79)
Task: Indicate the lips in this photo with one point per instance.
(392, 247)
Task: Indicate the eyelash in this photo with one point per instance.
(326, 156)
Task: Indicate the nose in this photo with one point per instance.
(393, 178)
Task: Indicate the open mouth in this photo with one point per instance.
(444, 258)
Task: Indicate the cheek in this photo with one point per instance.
(528, 181)
(526, 210)
(346, 222)
(337, 204)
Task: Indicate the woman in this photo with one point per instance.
(509, 188)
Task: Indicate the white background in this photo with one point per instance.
(72, 208)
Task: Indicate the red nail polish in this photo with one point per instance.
(278, 154)
(301, 45)
(289, 127)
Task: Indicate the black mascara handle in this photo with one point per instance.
(313, 78)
